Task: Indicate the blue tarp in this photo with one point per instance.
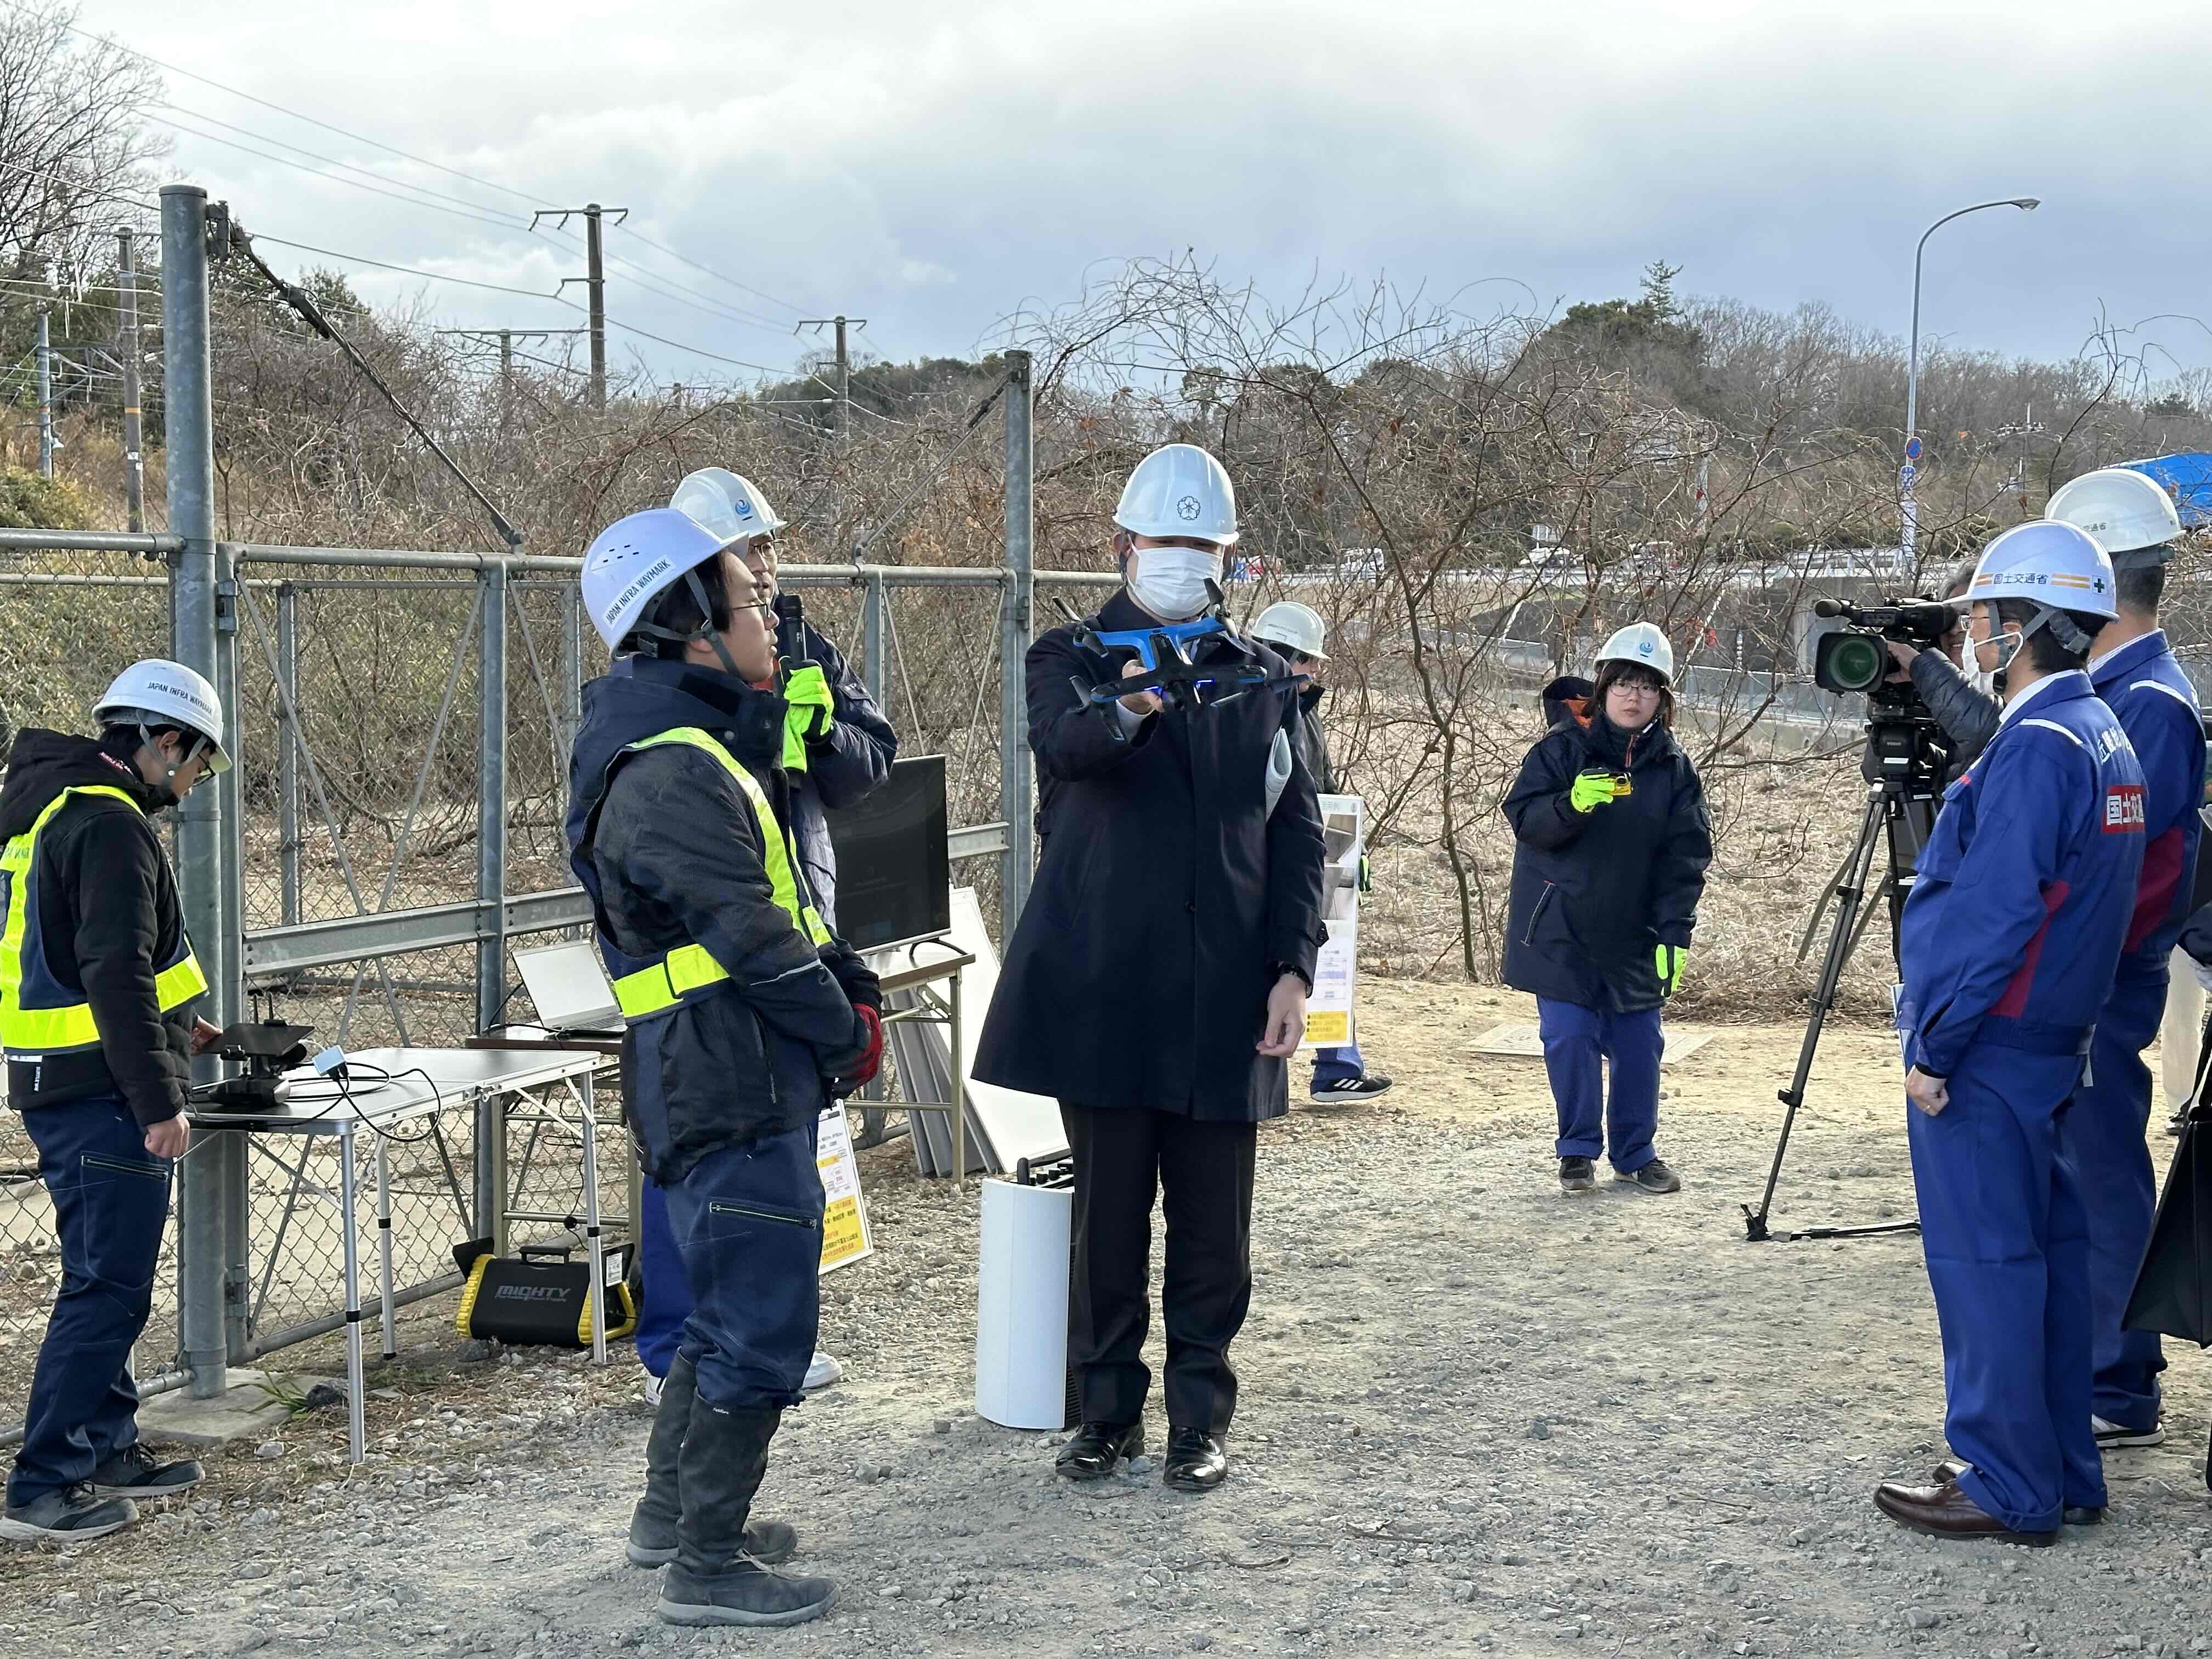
(2188, 479)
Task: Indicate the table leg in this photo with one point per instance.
(498, 1226)
(384, 1244)
(356, 1383)
(959, 1098)
(591, 1240)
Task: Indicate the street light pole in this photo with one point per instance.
(1910, 527)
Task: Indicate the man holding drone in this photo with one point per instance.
(1157, 980)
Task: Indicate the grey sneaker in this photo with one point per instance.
(68, 1514)
(1653, 1177)
(134, 1472)
(742, 1593)
(1577, 1175)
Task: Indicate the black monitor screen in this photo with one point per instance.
(894, 877)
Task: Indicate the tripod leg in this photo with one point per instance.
(1849, 896)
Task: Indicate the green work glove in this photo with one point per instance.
(1591, 791)
(1670, 960)
(810, 715)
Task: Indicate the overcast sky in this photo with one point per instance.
(933, 166)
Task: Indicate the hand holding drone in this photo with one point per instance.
(1167, 653)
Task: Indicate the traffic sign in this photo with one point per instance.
(1912, 449)
(1906, 474)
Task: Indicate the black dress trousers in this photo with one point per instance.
(1125, 1156)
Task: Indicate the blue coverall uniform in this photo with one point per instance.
(2156, 706)
(2009, 944)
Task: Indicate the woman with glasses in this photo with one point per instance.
(1611, 845)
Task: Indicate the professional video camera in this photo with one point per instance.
(1853, 658)
(1906, 744)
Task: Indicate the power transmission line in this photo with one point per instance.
(711, 271)
(373, 190)
(474, 207)
(652, 281)
(410, 270)
(408, 155)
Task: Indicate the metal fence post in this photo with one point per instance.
(1014, 651)
(190, 442)
(872, 637)
(229, 1150)
(491, 881)
(572, 667)
(288, 755)
(46, 402)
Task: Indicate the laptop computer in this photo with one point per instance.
(570, 989)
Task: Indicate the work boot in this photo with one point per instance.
(67, 1515)
(653, 1523)
(134, 1472)
(714, 1580)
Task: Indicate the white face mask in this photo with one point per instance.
(1171, 581)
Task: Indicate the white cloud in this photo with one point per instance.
(930, 166)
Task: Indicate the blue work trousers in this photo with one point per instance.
(1578, 1043)
(747, 1225)
(2006, 1242)
(2105, 1133)
(111, 1200)
(667, 1302)
(1343, 1064)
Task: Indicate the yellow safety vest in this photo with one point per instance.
(38, 1015)
(689, 968)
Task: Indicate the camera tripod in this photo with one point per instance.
(1903, 765)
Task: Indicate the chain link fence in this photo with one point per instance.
(368, 778)
(69, 619)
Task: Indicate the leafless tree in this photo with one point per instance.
(75, 146)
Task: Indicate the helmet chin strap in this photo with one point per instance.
(705, 631)
(2057, 623)
(168, 784)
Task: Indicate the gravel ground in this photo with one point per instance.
(1479, 1417)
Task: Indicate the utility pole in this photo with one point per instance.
(595, 281)
(46, 402)
(844, 369)
(126, 356)
(507, 337)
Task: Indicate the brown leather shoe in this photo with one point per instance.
(1944, 1511)
(2075, 1515)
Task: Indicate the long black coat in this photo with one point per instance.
(1312, 741)
(1595, 893)
(1165, 896)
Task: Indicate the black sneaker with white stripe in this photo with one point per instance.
(2111, 1436)
(1351, 1088)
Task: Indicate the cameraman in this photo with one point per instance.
(1963, 703)
(2010, 939)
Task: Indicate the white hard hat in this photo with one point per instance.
(633, 560)
(1640, 643)
(2131, 516)
(1179, 490)
(173, 693)
(1287, 622)
(2048, 563)
(732, 507)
